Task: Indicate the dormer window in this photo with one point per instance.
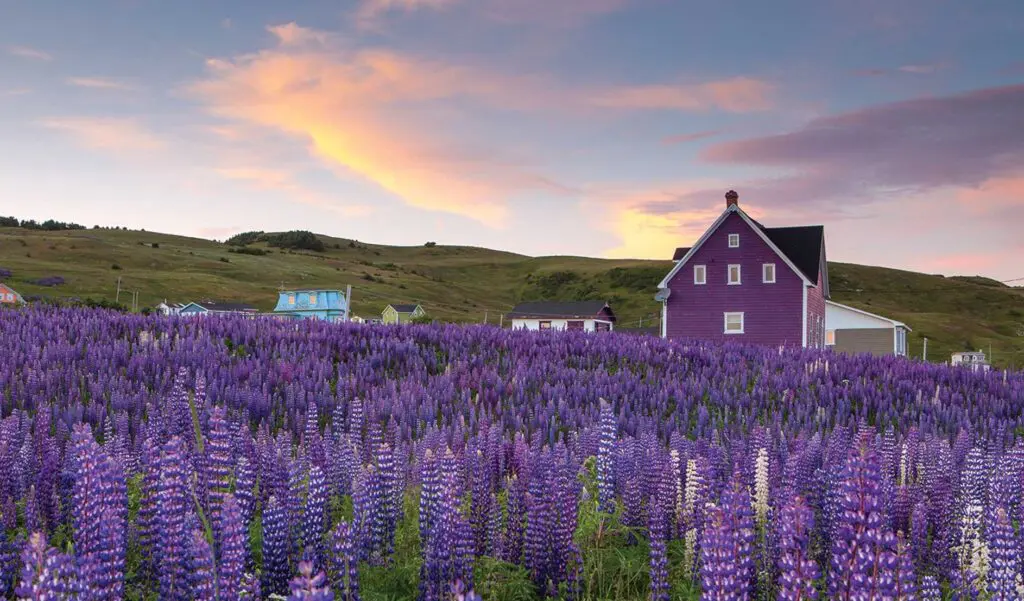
(734, 275)
(700, 274)
(734, 240)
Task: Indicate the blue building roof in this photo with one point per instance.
(289, 301)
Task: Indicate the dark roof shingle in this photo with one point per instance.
(564, 309)
(802, 245)
(403, 308)
(680, 253)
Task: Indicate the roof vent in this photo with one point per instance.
(732, 199)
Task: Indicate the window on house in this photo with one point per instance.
(700, 274)
(291, 299)
(768, 273)
(734, 274)
(734, 240)
(830, 337)
(545, 325)
(312, 298)
(734, 323)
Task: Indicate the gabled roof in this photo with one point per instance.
(758, 229)
(802, 245)
(403, 308)
(17, 297)
(560, 309)
(222, 306)
(680, 253)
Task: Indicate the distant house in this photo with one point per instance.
(327, 305)
(746, 282)
(202, 308)
(850, 330)
(588, 316)
(8, 296)
(972, 359)
(166, 308)
(401, 313)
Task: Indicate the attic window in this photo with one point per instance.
(734, 240)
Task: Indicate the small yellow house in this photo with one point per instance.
(401, 313)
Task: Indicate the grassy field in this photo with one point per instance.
(470, 284)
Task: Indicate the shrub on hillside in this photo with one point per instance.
(296, 239)
(244, 238)
(53, 280)
(245, 250)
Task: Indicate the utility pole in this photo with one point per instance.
(117, 298)
(924, 356)
(501, 321)
(485, 316)
(348, 301)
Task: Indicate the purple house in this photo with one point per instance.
(746, 282)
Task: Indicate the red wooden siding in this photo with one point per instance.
(773, 313)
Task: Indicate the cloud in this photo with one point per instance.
(115, 134)
(924, 144)
(29, 53)
(918, 69)
(738, 94)
(691, 137)
(284, 180)
(15, 92)
(100, 83)
(370, 11)
(564, 13)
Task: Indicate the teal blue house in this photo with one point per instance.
(328, 305)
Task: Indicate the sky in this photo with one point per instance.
(608, 128)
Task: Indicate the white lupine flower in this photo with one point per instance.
(761, 486)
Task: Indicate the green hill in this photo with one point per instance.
(460, 283)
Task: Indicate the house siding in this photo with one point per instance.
(877, 341)
(589, 325)
(816, 314)
(773, 313)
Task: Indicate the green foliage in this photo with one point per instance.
(245, 250)
(560, 285)
(49, 225)
(636, 279)
(244, 238)
(296, 240)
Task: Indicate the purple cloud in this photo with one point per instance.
(961, 140)
(691, 137)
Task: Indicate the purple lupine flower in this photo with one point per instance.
(862, 557)
(606, 459)
(245, 483)
(919, 540)
(512, 544)
(391, 490)
(430, 491)
(233, 549)
(173, 506)
(442, 561)
(47, 574)
(201, 569)
(314, 516)
(929, 589)
(739, 515)
(658, 557)
(308, 586)
(461, 593)
(218, 466)
(99, 529)
(797, 569)
(481, 511)
(718, 560)
(344, 563)
(146, 518)
(1005, 559)
(906, 581)
(275, 549)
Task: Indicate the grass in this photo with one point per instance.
(469, 284)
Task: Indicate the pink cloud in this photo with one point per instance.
(738, 94)
(692, 137)
(115, 134)
(29, 53)
(105, 83)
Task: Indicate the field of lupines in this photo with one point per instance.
(219, 459)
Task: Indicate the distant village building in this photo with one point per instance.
(203, 308)
(972, 359)
(587, 316)
(851, 330)
(326, 305)
(8, 296)
(166, 308)
(401, 313)
(744, 282)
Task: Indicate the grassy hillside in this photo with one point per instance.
(465, 283)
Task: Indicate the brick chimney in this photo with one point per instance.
(731, 199)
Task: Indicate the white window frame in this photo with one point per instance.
(703, 279)
(830, 337)
(312, 298)
(725, 326)
(734, 240)
(739, 275)
(291, 299)
(764, 273)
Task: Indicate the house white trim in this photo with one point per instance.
(714, 227)
(703, 275)
(725, 324)
(893, 322)
(735, 237)
(664, 319)
(764, 271)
